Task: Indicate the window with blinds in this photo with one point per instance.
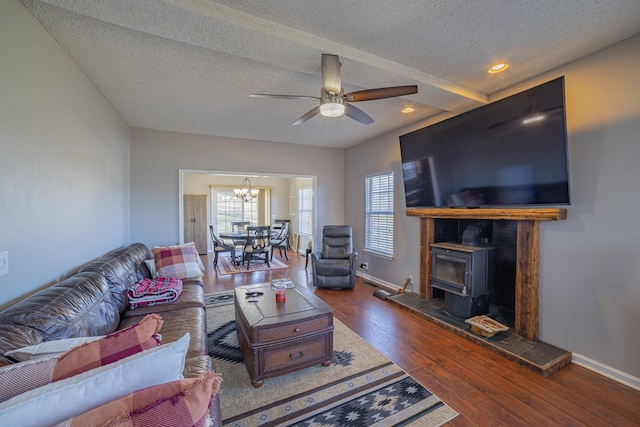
(305, 210)
(228, 208)
(379, 213)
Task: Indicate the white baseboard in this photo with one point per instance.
(374, 280)
(607, 371)
(378, 282)
(578, 359)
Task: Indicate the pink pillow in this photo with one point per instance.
(177, 261)
(113, 347)
(176, 403)
(21, 377)
(195, 252)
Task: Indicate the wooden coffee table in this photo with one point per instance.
(278, 338)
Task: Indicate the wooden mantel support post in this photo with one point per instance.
(527, 274)
(527, 258)
(427, 236)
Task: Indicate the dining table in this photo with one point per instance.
(233, 235)
(241, 235)
(239, 238)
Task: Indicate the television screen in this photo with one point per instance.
(510, 152)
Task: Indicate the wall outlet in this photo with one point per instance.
(364, 266)
(4, 263)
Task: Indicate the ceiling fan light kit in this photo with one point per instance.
(333, 106)
(333, 100)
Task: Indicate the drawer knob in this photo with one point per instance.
(296, 330)
(292, 355)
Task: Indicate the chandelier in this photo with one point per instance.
(246, 193)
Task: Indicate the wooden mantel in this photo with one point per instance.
(527, 258)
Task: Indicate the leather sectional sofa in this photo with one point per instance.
(94, 302)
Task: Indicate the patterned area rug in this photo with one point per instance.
(360, 388)
(227, 266)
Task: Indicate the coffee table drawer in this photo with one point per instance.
(287, 358)
(293, 330)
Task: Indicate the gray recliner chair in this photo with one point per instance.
(335, 265)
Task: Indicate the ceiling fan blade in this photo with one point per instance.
(357, 114)
(380, 93)
(307, 116)
(268, 95)
(331, 82)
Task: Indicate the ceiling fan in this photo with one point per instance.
(333, 100)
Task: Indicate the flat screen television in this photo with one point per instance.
(511, 152)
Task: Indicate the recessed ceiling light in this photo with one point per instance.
(407, 110)
(498, 68)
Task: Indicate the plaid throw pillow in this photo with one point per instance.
(113, 347)
(176, 261)
(177, 403)
(21, 377)
(193, 248)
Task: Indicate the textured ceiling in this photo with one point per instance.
(189, 66)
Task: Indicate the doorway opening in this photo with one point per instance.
(281, 197)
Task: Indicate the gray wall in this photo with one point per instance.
(590, 263)
(64, 160)
(157, 157)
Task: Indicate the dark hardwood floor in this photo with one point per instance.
(484, 388)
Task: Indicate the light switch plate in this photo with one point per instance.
(4, 263)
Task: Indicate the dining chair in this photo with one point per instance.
(281, 241)
(220, 245)
(288, 222)
(258, 243)
(239, 226)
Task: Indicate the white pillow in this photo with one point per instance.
(48, 348)
(151, 265)
(55, 402)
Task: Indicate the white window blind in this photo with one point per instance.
(305, 210)
(379, 213)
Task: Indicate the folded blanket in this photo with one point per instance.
(154, 291)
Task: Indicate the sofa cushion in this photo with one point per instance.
(197, 366)
(177, 323)
(192, 296)
(58, 401)
(122, 268)
(176, 403)
(79, 306)
(21, 377)
(14, 336)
